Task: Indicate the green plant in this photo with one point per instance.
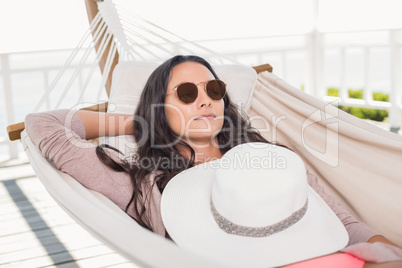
(355, 93)
(379, 96)
(364, 113)
(334, 92)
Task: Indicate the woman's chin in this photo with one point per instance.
(200, 139)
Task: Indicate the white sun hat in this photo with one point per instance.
(251, 208)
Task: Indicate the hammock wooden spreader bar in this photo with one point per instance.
(92, 12)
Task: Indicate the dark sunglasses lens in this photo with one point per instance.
(187, 92)
(216, 89)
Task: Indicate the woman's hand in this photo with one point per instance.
(382, 239)
(99, 124)
(393, 264)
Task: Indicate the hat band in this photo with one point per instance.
(232, 228)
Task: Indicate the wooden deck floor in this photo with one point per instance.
(35, 232)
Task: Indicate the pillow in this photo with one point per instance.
(129, 79)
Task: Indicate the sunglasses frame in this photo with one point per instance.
(205, 89)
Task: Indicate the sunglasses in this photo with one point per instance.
(188, 92)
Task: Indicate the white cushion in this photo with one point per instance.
(129, 79)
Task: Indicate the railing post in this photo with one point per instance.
(343, 90)
(367, 91)
(315, 48)
(8, 102)
(395, 96)
(283, 60)
(316, 65)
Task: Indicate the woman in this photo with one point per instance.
(192, 121)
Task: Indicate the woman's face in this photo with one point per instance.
(200, 121)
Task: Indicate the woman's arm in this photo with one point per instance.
(61, 137)
(98, 124)
(358, 231)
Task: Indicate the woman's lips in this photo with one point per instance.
(206, 116)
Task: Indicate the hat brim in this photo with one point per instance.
(187, 216)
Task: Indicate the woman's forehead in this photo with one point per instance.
(190, 71)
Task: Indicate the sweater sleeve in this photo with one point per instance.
(60, 136)
(358, 231)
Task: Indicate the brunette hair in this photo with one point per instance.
(166, 161)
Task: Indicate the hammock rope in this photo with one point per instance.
(133, 38)
(67, 64)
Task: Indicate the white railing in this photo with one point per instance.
(391, 46)
(298, 59)
(24, 78)
(314, 49)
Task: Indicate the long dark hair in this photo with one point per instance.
(166, 161)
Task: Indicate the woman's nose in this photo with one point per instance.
(203, 98)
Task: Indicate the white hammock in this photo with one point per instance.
(357, 163)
